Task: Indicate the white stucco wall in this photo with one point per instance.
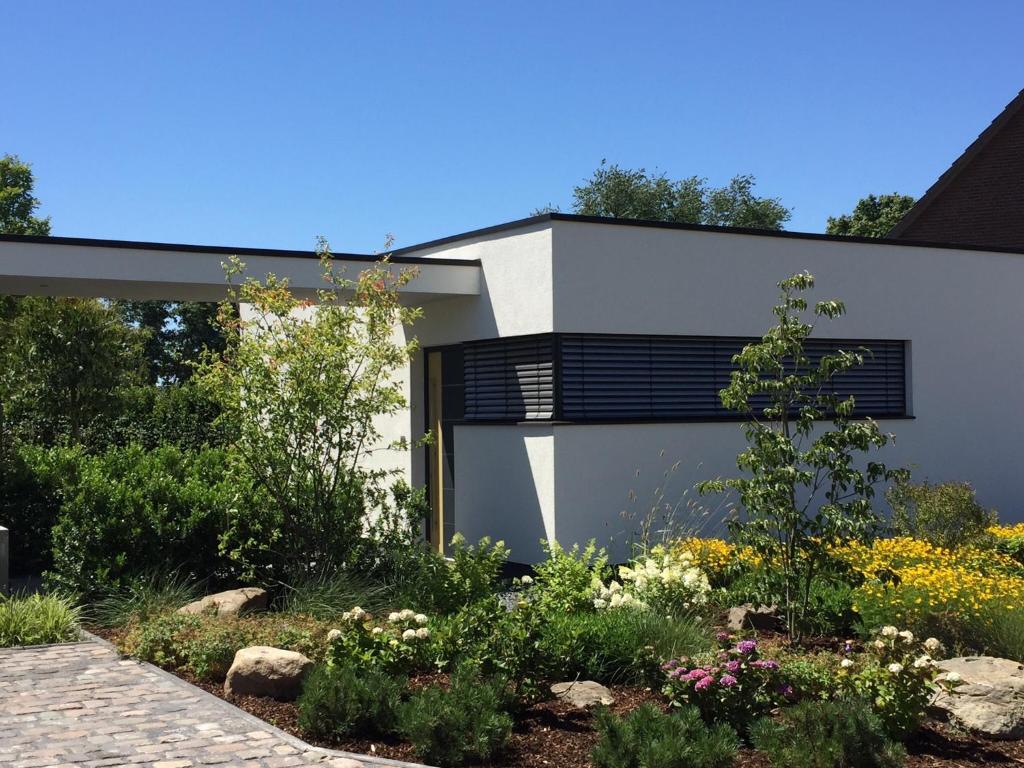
(515, 299)
(505, 486)
(959, 309)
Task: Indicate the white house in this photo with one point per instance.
(569, 362)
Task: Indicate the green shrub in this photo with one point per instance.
(140, 598)
(205, 645)
(399, 643)
(128, 509)
(37, 620)
(567, 580)
(341, 701)
(498, 641)
(812, 676)
(1002, 634)
(30, 482)
(830, 609)
(618, 645)
(735, 686)
(833, 734)
(895, 675)
(180, 414)
(648, 738)
(467, 722)
(422, 577)
(473, 571)
(946, 514)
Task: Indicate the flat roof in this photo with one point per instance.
(745, 231)
(402, 255)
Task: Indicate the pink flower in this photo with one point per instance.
(734, 666)
(765, 664)
(697, 674)
(746, 647)
(728, 681)
(704, 683)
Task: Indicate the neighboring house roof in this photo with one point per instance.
(980, 199)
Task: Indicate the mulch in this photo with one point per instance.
(553, 734)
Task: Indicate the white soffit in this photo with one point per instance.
(123, 270)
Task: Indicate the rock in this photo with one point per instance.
(990, 700)
(764, 618)
(230, 603)
(583, 693)
(264, 671)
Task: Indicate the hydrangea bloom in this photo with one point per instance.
(746, 647)
(728, 681)
(704, 683)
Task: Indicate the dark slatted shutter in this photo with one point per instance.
(879, 386)
(649, 378)
(510, 379)
(610, 377)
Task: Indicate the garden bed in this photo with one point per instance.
(553, 733)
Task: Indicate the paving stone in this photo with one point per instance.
(80, 704)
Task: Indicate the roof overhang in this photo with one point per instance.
(54, 266)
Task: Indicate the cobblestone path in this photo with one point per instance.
(80, 704)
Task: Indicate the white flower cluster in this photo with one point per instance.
(893, 639)
(667, 582)
(406, 616)
(614, 596)
(906, 636)
(356, 614)
(398, 617)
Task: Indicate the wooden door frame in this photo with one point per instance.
(433, 459)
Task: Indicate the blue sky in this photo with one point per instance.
(266, 124)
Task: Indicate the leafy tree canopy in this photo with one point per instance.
(178, 334)
(636, 194)
(873, 216)
(17, 203)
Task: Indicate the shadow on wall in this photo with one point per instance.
(504, 486)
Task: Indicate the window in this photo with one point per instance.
(583, 377)
(510, 379)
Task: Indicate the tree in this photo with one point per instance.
(873, 216)
(635, 194)
(803, 489)
(303, 386)
(17, 203)
(74, 359)
(179, 332)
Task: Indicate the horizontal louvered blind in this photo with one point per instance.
(510, 379)
(657, 377)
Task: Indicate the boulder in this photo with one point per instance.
(990, 698)
(583, 693)
(763, 618)
(230, 603)
(264, 671)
